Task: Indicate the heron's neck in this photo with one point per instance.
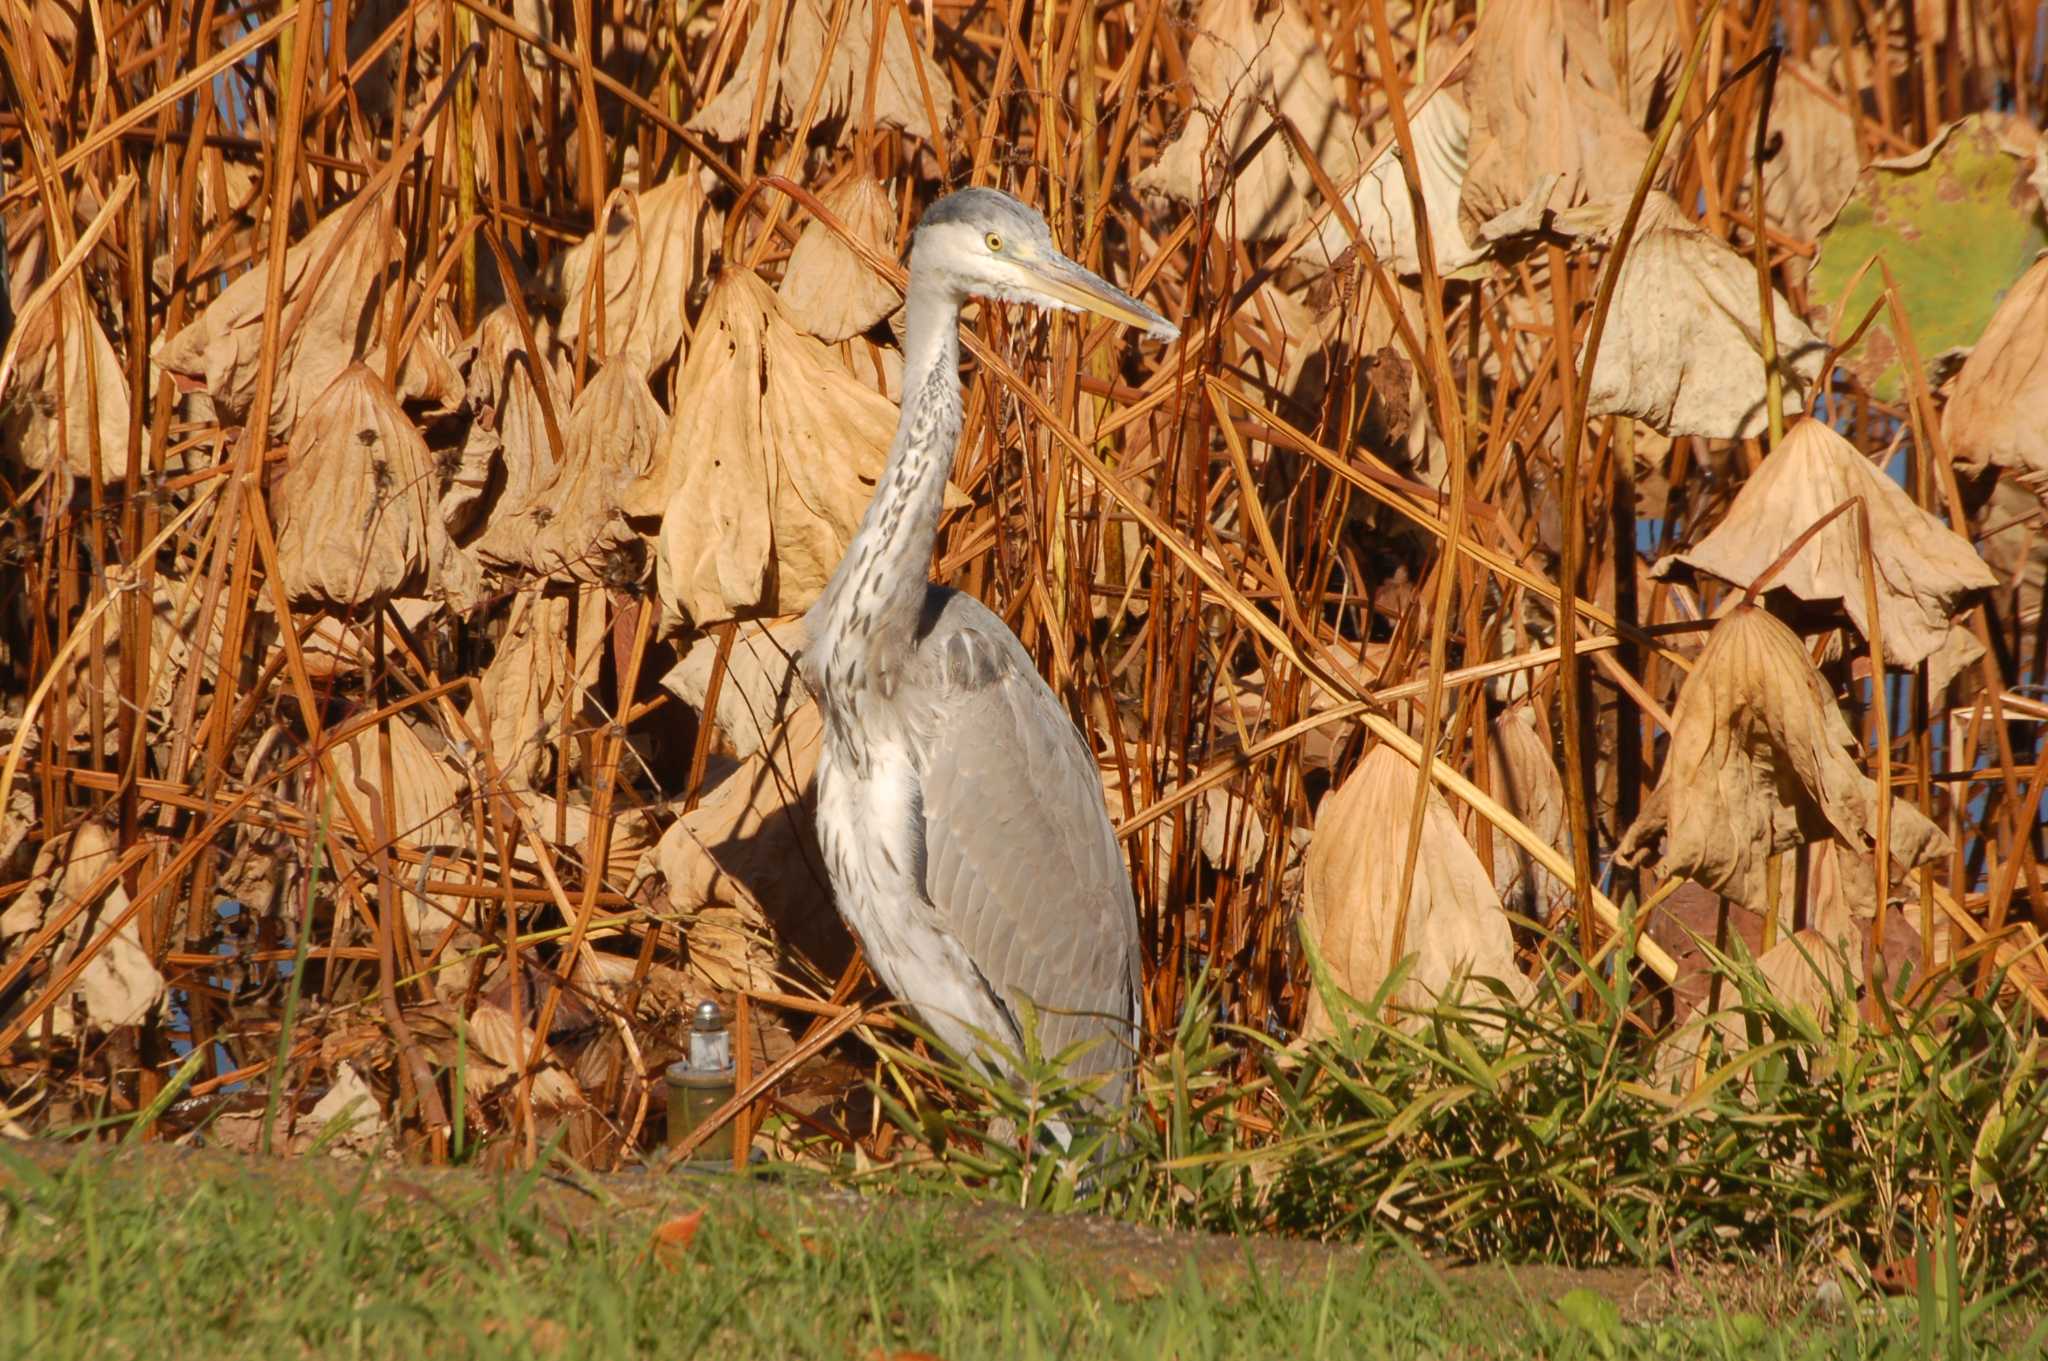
(867, 619)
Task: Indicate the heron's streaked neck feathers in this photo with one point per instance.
(864, 626)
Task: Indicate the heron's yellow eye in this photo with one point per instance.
(993, 241)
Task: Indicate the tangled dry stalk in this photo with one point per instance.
(423, 421)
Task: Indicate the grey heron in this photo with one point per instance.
(959, 809)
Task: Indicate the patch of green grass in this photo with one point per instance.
(99, 1260)
(1554, 1131)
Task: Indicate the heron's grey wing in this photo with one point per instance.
(1019, 853)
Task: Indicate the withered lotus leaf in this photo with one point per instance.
(1237, 61)
(610, 445)
(1997, 412)
(422, 807)
(1525, 781)
(760, 688)
(67, 392)
(1926, 572)
(519, 710)
(1544, 102)
(1683, 346)
(1816, 161)
(826, 286)
(1455, 925)
(743, 868)
(653, 250)
(1761, 761)
(335, 279)
(770, 461)
(356, 510)
(507, 458)
(120, 986)
(902, 78)
(1380, 205)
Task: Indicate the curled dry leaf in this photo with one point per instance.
(653, 250)
(1455, 926)
(825, 284)
(1956, 223)
(507, 454)
(769, 463)
(67, 395)
(581, 525)
(1238, 61)
(120, 986)
(1683, 345)
(1997, 413)
(334, 285)
(174, 619)
(500, 1043)
(350, 1108)
(422, 807)
(903, 76)
(747, 849)
(519, 707)
(1526, 782)
(1926, 573)
(1814, 167)
(1380, 205)
(1761, 761)
(1544, 103)
(357, 520)
(760, 688)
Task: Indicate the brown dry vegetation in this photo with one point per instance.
(423, 421)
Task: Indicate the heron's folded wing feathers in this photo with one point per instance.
(1020, 855)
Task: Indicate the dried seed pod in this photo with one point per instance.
(356, 514)
(1761, 761)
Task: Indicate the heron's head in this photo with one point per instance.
(982, 243)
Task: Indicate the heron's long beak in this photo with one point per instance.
(1062, 279)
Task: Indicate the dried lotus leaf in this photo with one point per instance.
(1683, 347)
(119, 987)
(508, 457)
(519, 709)
(1761, 761)
(609, 454)
(1237, 61)
(1997, 414)
(1544, 102)
(653, 250)
(1524, 779)
(760, 688)
(335, 279)
(771, 459)
(1926, 573)
(1352, 880)
(826, 286)
(1379, 203)
(356, 515)
(67, 392)
(423, 808)
(743, 868)
(902, 78)
(1816, 160)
